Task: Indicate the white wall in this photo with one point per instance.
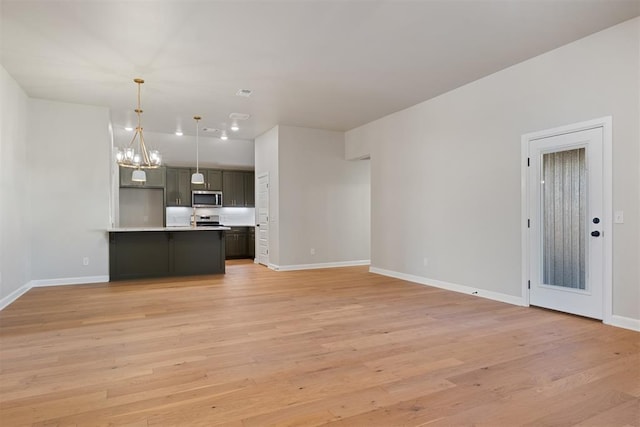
(69, 188)
(324, 199)
(14, 242)
(317, 198)
(446, 172)
(266, 161)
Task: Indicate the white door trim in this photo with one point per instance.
(257, 213)
(607, 221)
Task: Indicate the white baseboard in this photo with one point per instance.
(6, 301)
(69, 281)
(319, 265)
(624, 322)
(496, 296)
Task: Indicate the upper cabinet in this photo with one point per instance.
(238, 189)
(155, 178)
(178, 190)
(249, 189)
(212, 180)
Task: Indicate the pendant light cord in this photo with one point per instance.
(197, 144)
(138, 133)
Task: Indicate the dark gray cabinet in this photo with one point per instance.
(251, 250)
(197, 252)
(142, 254)
(240, 243)
(178, 189)
(155, 178)
(133, 255)
(212, 180)
(233, 188)
(238, 189)
(249, 189)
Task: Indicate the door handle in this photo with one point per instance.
(595, 233)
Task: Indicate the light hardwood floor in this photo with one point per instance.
(338, 346)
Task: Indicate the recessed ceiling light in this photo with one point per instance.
(244, 92)
(224, 136)
(239, 116)
(128, 129)
(178, 133)
(234, 127)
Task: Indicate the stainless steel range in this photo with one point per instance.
(207, 220)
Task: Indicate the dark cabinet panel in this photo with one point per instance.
(142, 254)
(194, 252)
(249, 189)
(155, 178)
(178, 187)
(235, 245)
(251, 250)
(212, 180)
(215, 180)
(233, 188)
(133, 255)
(238, 243)
(238, 188)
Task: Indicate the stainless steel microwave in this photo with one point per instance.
(206, 199)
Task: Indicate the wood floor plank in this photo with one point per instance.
(339, 346)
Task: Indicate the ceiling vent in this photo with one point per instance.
(239, 116)
(210, 130)
(244, 92)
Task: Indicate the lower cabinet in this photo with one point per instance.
(239, 243)
(252, 243)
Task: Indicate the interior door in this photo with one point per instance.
(263, 219)
(566, 213)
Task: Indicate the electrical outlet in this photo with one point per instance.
(425, 261)
(313, 251)
(618, 217)
(85, 261)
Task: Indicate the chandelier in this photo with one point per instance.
(135, 155)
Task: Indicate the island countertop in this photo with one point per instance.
(183, 228)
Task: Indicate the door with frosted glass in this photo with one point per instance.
(566, 207)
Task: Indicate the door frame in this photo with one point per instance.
(606, 123)
(257, 213)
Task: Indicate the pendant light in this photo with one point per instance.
(140, 159)
(197, 178)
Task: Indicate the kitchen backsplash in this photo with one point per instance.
(181, 216)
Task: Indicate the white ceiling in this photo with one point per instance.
(321, 64)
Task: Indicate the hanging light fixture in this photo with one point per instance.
(197, 178)
(140, 159)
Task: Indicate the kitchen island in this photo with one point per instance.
(136, 253)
